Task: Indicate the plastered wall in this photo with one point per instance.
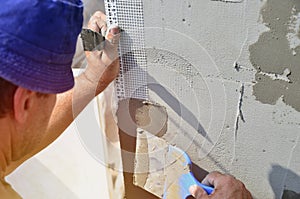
(228, 72)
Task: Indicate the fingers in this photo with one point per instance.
(97, 22)
(103, 63)
(198, 192)
(211, 177)
(112, 42)
(113, 35)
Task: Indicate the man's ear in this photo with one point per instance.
(22, 103)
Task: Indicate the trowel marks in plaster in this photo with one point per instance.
(277, 51)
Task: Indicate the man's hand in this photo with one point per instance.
(103, 65)
(226, 187)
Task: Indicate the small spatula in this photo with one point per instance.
(179, 176)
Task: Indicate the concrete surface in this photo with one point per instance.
(228, 73)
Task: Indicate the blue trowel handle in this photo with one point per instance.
(187, 180)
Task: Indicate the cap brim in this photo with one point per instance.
(33, 75)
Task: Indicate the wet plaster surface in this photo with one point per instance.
(275, 52)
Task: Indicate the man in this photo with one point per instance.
(39, 97)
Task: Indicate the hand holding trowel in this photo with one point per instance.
(167, 167)
(179, 177)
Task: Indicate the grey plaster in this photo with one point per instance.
(205, 64)
(272, 54)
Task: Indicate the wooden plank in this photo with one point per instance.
(112, 147)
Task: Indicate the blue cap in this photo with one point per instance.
(37, 43)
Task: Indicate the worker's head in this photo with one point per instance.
(37, 45)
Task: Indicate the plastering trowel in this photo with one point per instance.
(178, 183)
(162, 169)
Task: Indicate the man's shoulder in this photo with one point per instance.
(7, 192)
